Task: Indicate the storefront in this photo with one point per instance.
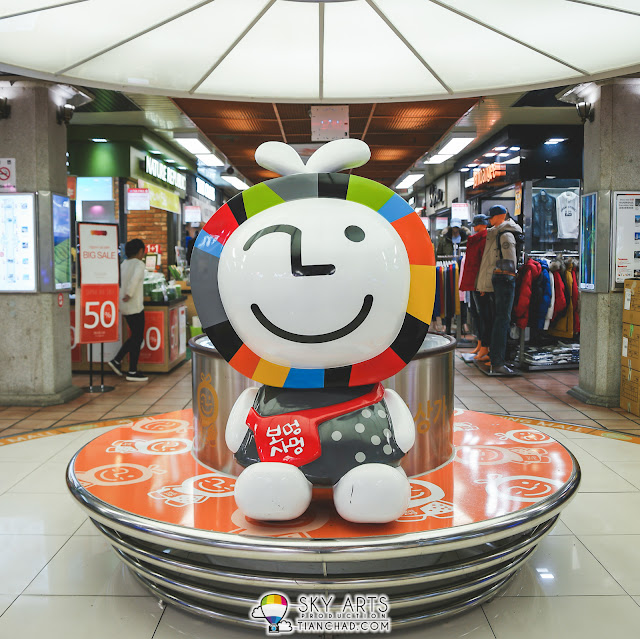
(128, 176)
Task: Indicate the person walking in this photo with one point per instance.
(132, 307)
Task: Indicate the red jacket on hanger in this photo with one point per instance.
(527, 274)
(475, 250)
(560, 303)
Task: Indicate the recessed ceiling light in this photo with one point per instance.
(154, 152)
(236, 182)
(499, 148)
(514, 148)
(458, 142)
(99, 140)
(181, 168)
(438, 159)
(464, 169)
(170, 161)
(473, 165)
(515, 160)
(192, 143)
(552, 141)
(490, 155)
(209, 159)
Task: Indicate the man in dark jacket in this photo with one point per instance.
(454, 235)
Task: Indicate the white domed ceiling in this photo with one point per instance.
(310, 51)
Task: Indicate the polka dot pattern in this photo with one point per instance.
(336, 435)
(382, 414)
(375, 440)
(359, 428)
(387, 450)
(366, 413)
(360, 457)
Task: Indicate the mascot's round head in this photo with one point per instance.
(317, 278)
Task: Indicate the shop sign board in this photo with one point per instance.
(165, 173)
(460, 210)
(205, 189)
(7, 175)
(72, 186)
(18, 272)
(625, 237)
(138, 200)
(160, 198)
(97, 297)
(152, 351)
(588, 224)
(488, 174)
(192, 215)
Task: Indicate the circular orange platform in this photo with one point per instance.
(469, 525)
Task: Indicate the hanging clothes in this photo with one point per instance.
(560, 301)
(575, 299)
(549, 315)
(543, 286)
(525, 278)
(473, 259)
(565, 326)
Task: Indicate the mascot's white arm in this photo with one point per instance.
(237, 427)
(404, 429)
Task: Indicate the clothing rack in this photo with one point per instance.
(526, 366)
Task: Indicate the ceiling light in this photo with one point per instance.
(503, 155)
(514, 148)
(154, 152)
(99, 140)
(170, 161)
(192, 143)
(209, 159)
(585, 111)
(236, 182)
(490, 155)
(456, 143)
(439, 158)
(499, 148)
(515, 160)
(473, 165)
(484, 166)
(551, 141)
(409, 181)
(464, 169)
(181, 168)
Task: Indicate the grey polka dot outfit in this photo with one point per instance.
(363, 436)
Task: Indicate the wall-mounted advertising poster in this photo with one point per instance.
(18, 256)
(588, 218)
(61, 241)
(625, 234)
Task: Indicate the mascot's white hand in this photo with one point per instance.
(237, 427)
(404, 428)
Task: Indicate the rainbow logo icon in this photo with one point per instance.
(273, 608)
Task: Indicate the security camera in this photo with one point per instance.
(229, 170)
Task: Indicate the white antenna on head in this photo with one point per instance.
(329, 158)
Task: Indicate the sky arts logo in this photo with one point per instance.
(317, 614)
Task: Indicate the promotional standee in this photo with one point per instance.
(319, 285)
(325, 287)
(98, 289)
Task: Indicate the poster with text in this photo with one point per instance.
(153, 346)
(587, 281)
(98, 294)
(18, 272)
(626, 237)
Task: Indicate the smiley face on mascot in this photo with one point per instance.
(318, 285)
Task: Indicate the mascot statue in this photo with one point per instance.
(318, 285)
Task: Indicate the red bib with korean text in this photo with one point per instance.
(293, 438)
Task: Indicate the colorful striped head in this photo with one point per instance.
(314, 280)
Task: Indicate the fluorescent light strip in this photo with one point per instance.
(455, 145)
(235, 182)
(438, 159)
(192, 144)
(409, 181)
(210, 159)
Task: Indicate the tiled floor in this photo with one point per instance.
(59, 579)
(535, 395)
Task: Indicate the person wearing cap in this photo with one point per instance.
(455, 235)
(497, 275)
(480, 305)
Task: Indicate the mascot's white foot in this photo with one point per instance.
(272, 492)
(372, 494)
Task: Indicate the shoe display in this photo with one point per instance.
(136, 377)
(115, 367)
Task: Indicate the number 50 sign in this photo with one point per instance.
(97, 296)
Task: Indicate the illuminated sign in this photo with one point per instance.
(165, 173)
(488, 174)
(205, 189)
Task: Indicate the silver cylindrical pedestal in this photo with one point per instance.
(426, 385)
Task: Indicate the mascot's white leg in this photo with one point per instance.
(372, 494)
(272, 491)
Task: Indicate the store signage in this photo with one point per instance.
(488, 174)
(165, 173)
(72, 186)
(98, 293)
(192, 215)
(460, 210)
(205, 189)
(138, 200)
(7, 175)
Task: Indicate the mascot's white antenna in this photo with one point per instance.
(329, 158)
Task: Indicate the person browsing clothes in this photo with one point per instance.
(132, 307)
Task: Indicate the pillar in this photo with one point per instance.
(611, 163)
(35, 353)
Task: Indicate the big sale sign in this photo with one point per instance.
(98, 291)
